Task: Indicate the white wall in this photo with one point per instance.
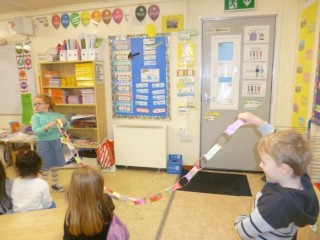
(286, 45)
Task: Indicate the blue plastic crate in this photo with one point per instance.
(174, 164)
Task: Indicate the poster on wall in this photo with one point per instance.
(140, 81)
(254, 88)
(316, 97)
(256, 52)
(256, 34)
(305, 52)
(255, 70)
(17, 78)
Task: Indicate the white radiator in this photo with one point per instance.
(140, 146)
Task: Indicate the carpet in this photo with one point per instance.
(218, 183)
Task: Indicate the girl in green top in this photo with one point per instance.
(48, 142)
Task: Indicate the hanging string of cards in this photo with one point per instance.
(222, 140)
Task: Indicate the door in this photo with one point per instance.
(236, 76)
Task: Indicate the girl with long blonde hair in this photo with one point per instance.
(90, 211)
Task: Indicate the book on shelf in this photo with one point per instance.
(51, 78)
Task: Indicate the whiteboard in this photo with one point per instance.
(10, 95)
(10, 92)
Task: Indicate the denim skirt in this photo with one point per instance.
(51, 153)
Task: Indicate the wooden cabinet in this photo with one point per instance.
(77, 88)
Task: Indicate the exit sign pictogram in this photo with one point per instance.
(238, 4)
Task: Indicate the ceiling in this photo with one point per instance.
(11, 6)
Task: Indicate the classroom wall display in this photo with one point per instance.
(16, 77)
(316, 97)
(98, 16)
(140, 76)
(173, 23)
(305, 53)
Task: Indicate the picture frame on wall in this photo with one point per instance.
(172, 23)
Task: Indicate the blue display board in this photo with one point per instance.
(140, 77)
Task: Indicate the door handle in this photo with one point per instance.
(206, 97)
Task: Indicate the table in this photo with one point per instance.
(19, 137)
(36, 225)
(14, 138)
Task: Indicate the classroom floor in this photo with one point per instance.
(182, 215)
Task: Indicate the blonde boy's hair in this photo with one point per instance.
(288, 147)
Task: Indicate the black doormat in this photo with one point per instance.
(218, 183)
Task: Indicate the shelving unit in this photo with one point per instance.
(77, 88)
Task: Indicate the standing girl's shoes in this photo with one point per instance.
(57, 187)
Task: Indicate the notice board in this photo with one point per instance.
(140, 76)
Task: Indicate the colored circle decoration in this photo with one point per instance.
(117, 15)
(65, 20)
(85, 18)
(23, 85)
(26, 49)
(96, 17)
(128, 14)
(55, 20)
(153, 12)
(20, 62)
(27, 62)
(106, 16)
(22, 74)
(19, 49)
(151, 30)
(141, 12)
(75, 19)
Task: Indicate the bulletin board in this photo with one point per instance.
(140, 77)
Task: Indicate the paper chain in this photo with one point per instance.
(66, 140)
(183, 181)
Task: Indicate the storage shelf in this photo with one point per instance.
(79, 71)
(94, 145)
(67, 87)
(85, 129)
(75, 105)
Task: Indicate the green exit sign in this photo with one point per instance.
(238, 4)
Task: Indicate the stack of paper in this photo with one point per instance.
(52, 78)
(87, 95)
(73, 99)
(89, 41)
(84, 74)
(83, 142)
(58, 95)
(84, 121)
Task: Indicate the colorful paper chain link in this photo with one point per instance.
(65, 139)
(183, 181)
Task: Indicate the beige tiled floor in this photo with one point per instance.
(182, 215)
